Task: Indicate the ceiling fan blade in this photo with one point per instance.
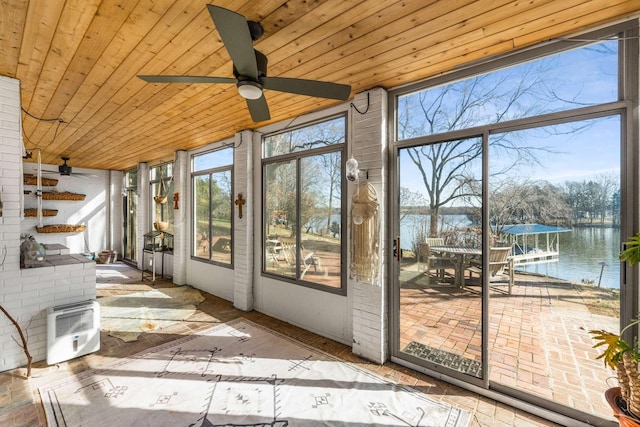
(234, 31)
(259, 109)
(187, 79)
(308, 87)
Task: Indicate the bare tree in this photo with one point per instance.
(518, 202)
(450, 170)
(410, 200)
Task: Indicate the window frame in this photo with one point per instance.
(152, 182)
(297, 156)
(623, 106)
(209, 172)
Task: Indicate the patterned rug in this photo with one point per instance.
(239, 374)
(128, 316)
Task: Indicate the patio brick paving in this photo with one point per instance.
(538, 335)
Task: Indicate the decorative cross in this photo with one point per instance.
(239, 202)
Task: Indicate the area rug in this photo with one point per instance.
(117, 273)
(239, 374)
(128, 316)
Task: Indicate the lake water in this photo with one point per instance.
(581, 252)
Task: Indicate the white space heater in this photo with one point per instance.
(73, 330)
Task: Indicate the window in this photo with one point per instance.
(303, 205)
(130, 206)
(161, 182)
(212, 184)
(528, 156)
(552, 84)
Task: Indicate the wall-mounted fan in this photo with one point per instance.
(250, 67)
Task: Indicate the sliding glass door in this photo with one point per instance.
(516, 185)
(129, 215)
(440, 315)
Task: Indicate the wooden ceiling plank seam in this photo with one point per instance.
(193, 71)
(443, 29)
(445, 65)
(129, 35)
(205, 100)
(623, 11)
(99, 93)
(298, 24)
(193, 127)
(158, 121)
(163, 99)
(71, 28)
(206, 120)
(444, 61)
(177, 17)
(405, 54)
(358, 35)
(11, 36)
(101, 30)
(38, 32)
(172, 122)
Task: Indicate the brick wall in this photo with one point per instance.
(26, 294)
(243, 227)
(369, 148)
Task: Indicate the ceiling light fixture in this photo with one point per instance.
(249, 89)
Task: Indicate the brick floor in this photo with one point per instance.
(20, 403)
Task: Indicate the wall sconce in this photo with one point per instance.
(352, 169)
(352, 172)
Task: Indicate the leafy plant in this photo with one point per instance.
(615, 346)
(632, 252)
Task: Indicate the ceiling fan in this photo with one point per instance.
(250, 67)
(65, 169)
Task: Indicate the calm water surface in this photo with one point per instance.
(581, 252)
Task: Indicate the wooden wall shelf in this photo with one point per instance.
(61, 228)
(30, 179)
(60, 195)
(33, 212)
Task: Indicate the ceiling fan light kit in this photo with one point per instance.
(250, 67)
(249, 89)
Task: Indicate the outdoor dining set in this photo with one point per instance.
(451, 263)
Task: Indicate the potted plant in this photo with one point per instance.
(623, 357)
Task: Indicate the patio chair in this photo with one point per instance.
(434, 241)
(427, 262)
(500, 265)
(309, 260)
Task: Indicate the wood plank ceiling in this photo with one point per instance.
(78, 60)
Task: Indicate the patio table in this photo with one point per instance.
(460, 252)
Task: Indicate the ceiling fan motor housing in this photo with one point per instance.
(64, 168)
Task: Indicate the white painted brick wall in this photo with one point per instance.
(114, 240)
(243, 227)
(27, 294)
(142, 212)
(369, 148)
(181, 221)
